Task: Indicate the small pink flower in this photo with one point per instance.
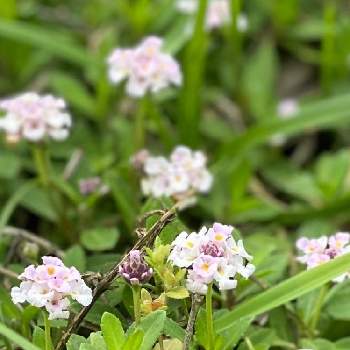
(205, 266)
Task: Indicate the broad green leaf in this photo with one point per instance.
(152, 326)
(177, 293)
(170, 344)
(343, 344)
(112, 331)
(75, 256)
(99, 239)
(260, 338)
(10, 165)
(17, 338)
(172, 329)
(286, 291)
(318, 344)
(75, 341)
(338, 302)
(259, 79)
(201, 332)
(134, 340)
(95, 342)
(39, 337)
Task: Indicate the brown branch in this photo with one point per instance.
(196, 301)
(105, 282)
(31, 237)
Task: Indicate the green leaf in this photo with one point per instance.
(321, 114)
(152, 326)
(338, 301)
(95, 342)
(99, 239)
(286, 291)
(75, 341)
(75, 256)
(16, 338)
(10, 165)
(39, 337)
(318, 344)
(177, 293)
(112, 331)
(48, 40)
(259, 78)
(172, 329)
(343, 344)
(134, 340)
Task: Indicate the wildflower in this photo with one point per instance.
(184, 172)
(146, 68)
(52, 285)
(91, 185)
(211, 255)
(218, 13)
(149, 305)
(287, 108)
(34, 117)
(320, 250)
(135, 269)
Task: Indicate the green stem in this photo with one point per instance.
(136, 290)
(318, 307)
(209, 312)
(48, 340)
(41, 163)
(140, 128)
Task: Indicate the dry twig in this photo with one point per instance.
(196, 301)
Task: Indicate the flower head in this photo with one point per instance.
(184, 172)
(34, 117)
(211, 255)
(135, 269)
(52, 285)
(320, 250)
(146, 67)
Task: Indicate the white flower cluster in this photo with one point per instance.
(185, 171)
(34, 117)
(51, 285)
(211, 255)
(145, 67)
(218, 13)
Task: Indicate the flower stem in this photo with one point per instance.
(48, 340)
(140, 130)
(41, 163)
(136, 290)
(209, 312)
(318, 307)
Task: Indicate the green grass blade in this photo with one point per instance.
(286, 291)
(317, 115)
(16, 338)
(46, 40)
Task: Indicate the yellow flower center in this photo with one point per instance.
(205, 267)
(50, 270)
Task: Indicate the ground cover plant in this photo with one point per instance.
(174, 175)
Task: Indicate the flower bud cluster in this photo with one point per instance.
(135, 269)
(146, 67)
(211, 255)
(323, 249)
(52, 285)
(33, 117)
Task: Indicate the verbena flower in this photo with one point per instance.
(52, 285)
(135, 269)
(218, 13)
(92, 185)
(211, 255)
(185, 171)
(34, 117)
(146, 68)
(320, 250)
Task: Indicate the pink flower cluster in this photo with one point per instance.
(51, 285)
(145, 67)
(34, 117)
(320, 250)
(218, 13)
(185, 171)
(211, 255)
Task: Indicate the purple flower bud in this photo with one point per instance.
(212, 249)
(134, 269)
